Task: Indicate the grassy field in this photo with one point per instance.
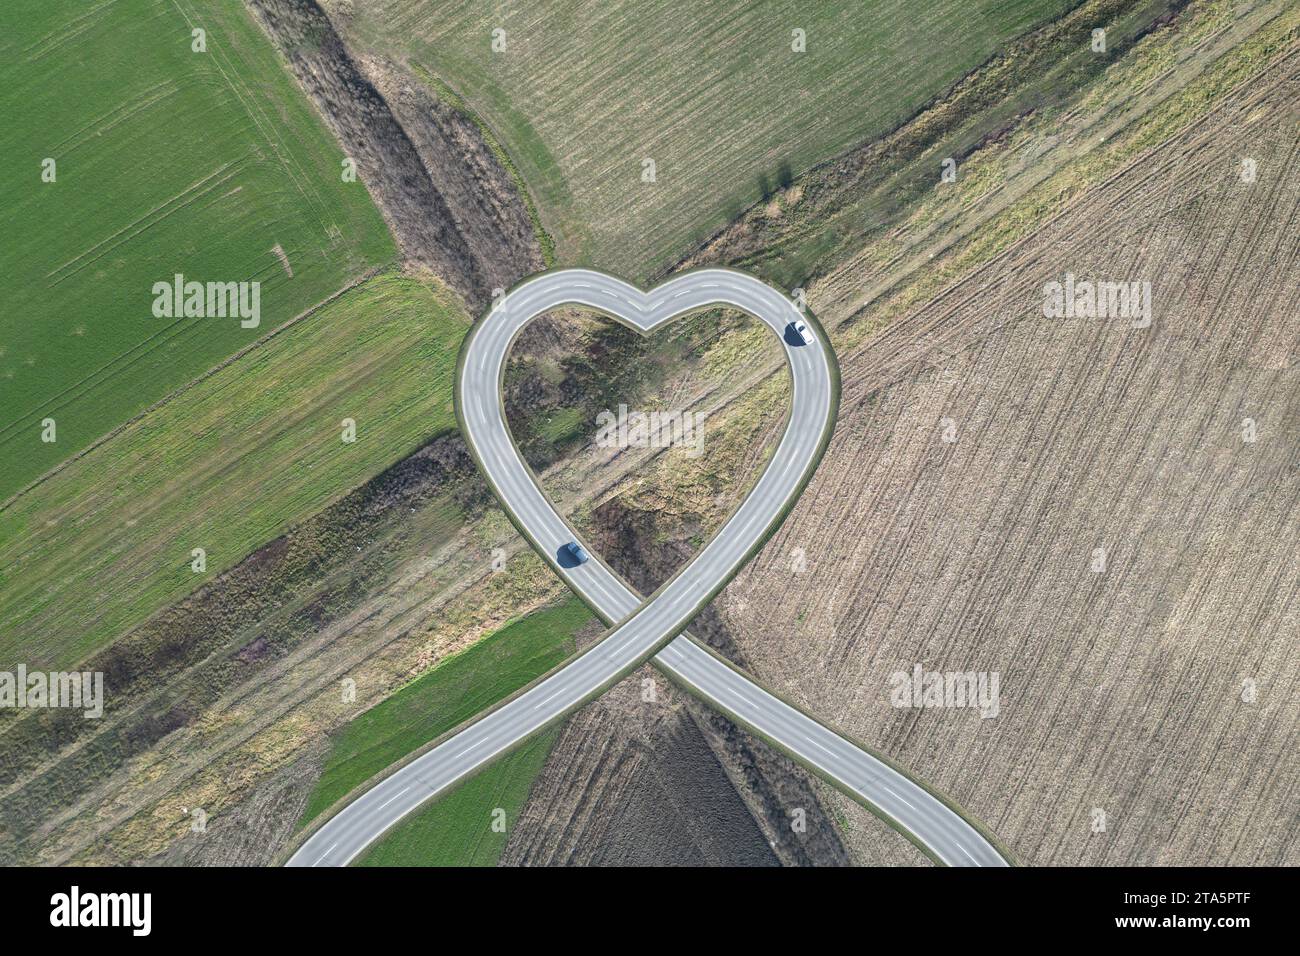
(449, 694)
(836, 209)
(208, 164)
(225, 466)
(457, 829)
(712, 92)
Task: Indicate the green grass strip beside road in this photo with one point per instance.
(455, 829)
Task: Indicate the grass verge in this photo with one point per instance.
(447, 695)
(458, 830)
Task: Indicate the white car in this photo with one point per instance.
(801, 329)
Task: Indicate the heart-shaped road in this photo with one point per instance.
(642, 628)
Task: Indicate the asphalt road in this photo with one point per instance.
(645, 628)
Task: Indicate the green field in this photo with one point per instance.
(226, 465)
(455, 829)
(711, 91)
(167, 161)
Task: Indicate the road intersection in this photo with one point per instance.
(648, 628)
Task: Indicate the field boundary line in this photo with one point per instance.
(1227, 100)
(181, 389)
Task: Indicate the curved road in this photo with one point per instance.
(642, 627)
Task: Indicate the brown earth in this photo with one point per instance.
(1161, 691)
(668, 781)
(633, 783)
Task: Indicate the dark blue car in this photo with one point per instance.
(577, 552)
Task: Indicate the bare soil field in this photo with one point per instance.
(667, 781)
(1103, 530)
(635, 784)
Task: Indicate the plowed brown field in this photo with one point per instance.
(1162, 690)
